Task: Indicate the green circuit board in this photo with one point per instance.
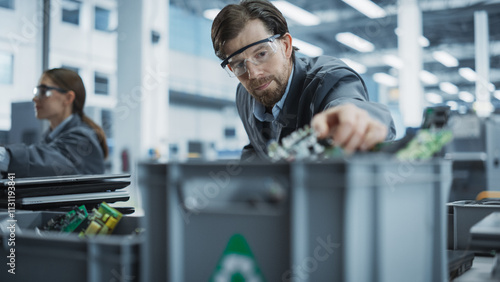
(303, 144)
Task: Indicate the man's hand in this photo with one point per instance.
(350, 127)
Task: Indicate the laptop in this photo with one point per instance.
(459, 261)
(67, 184)
(56, 191)
(485, 235)
(56, 201)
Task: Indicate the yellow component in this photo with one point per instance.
(105, 208)
(488, 194)
(104, 230)
(93, 228)
(103, 220)
(105, 217)
(111, 223)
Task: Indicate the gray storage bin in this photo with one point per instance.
(387, 217)
(395, 220)
(55, 256)
(365, 219)
(224, 199)
(465, 214)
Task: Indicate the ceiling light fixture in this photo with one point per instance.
(296, 14)
(210, 14)
(491, 87)
(448, 87)
(453, 105)
(358, 67)
(428, 78)
(307, 48)
(466, 96)
(496, 94)
(434, 98)
(355, 42)
(393, 61)
(385, 79)
(422, 40)
(445, 58)
(367, 7)
(468, 74)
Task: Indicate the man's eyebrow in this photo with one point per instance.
(260, 46)
(257, 47)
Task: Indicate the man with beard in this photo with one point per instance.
(279, 93)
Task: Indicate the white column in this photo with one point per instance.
(483, 104)
(155, 78)
(140, 117)
(411, 101)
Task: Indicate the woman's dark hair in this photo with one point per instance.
(232, 19)
(70, 80)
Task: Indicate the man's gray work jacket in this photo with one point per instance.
(318, 83)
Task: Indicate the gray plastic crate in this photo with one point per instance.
(65, 257)
(366, 219)
(395, 220)
(194, 209)
(465, 214)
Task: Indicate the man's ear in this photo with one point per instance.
(287, 43)
(70, 97)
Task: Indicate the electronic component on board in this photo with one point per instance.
(102, 221)
(72, 221)
(425, 144)
(303, 144)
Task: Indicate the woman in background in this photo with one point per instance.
(74, 144)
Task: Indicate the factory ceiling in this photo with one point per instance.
(448, 25)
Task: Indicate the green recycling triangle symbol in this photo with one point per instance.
(237, 263)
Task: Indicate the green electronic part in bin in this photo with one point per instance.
(56, 256)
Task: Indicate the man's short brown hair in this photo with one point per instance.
(232, 19)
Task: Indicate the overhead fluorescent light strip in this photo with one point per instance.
(358, 67)
(422, 40)
(428, 78)
(434, 98)
(448, 87)
(393, 61)
(296, 14)
(491, 87)
(445, 58)
(453, 105)
(367, 7)
(468, 74)
(385, 79)
(307, 48)
(466, 96)
(355, 42)
(210, 14)
(496, 94)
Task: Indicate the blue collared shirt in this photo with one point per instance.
(259, 111)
